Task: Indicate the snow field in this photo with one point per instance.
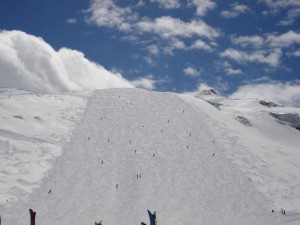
(183, 182)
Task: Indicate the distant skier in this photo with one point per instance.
(153, 155)
(117, 186)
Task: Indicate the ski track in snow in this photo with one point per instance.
(185, 185)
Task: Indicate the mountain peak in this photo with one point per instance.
(210, 92)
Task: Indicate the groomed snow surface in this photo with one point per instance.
(112, 154)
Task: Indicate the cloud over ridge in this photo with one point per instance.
(286, 93)
(28, 62)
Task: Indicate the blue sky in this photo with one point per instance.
(175, 45)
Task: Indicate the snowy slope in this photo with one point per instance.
(199, 173)
(267, 150)
(33, 129)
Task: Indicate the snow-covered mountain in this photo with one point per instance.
(109, 155)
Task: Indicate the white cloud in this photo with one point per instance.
(169, 32)
(284, 40)
(292, 14)
(176, 43)
(153, 49)
(203, 6)
(297, 53)
(200, 87)
(203, 86)
(244, 41)
(230, 71)
(268, 40)
(71, 20)
(168, 4)
(28, 62)
(147, 82)
(280, 3)
(191, 71)
(168, 27)
(264, 57)
(199, 44)
(267, 49)
(105, 13)
(286, 93)
(235, 11)
(148, 60)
